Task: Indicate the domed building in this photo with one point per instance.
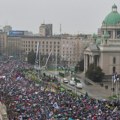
(104, 51)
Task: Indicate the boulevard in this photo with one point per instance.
(94, 90)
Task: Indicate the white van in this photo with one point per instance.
(72, 82)
(65, 80)
(79, 85)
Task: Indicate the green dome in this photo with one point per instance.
(112, 18)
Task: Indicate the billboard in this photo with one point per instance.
(16, 33)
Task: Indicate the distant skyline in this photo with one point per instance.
(75, 16)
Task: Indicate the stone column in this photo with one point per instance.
(84, 62)
(92, 59)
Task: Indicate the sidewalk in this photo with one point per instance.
(96, 90)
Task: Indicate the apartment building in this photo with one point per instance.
(66, 49)
(72, 48)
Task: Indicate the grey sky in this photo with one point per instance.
(75, 16)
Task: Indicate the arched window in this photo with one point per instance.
(114, 69)
(114, 60)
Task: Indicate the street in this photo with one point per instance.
(94, 90)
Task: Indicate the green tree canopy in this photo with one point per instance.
(94, 73)
(31, 57)
(80, 66)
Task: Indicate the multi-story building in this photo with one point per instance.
(3, 42)
(72, 48)
(14, 45)
(45, 30)
(7, 29)
(48, 45)
(66, 49)
(105, 49)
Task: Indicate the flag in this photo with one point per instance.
(55, 105)
(114, 78)
(117, 79)
(115, 109)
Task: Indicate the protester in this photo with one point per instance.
(26, 100)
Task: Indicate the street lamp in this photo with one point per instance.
(117, 87)
(113, 77)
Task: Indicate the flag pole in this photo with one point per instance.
(112, 85)
(116, 86)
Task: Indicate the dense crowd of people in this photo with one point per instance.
(27, 100)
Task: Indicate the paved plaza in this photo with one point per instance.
(99, 91)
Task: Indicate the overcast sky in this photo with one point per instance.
(75, 16)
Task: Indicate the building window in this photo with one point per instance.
(114, 69)
(118, 34)
(114, 60)
(110, 34)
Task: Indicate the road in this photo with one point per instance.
(95, 90)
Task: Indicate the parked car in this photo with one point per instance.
(72, 82)
(79, 85)
(65, 80)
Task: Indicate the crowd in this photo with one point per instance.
(27, 100)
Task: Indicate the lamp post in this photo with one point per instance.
(117, 87)
(113, 78)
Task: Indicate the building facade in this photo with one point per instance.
(48, 45)
(104, 51)
(72, 48)
(45, 30)
(66, 49)
(3, 42)
(7, 29)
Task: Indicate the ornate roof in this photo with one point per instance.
(93, 47)
(113, 17)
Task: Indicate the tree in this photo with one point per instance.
(95, 73)
(31, 57)
(80, 66)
